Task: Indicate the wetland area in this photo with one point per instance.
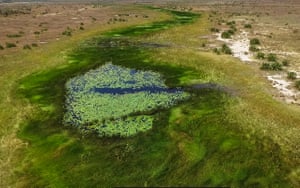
(143, 102)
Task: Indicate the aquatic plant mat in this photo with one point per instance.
(190, 142)
(103, 99)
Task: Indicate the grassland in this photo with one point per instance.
(237, 138)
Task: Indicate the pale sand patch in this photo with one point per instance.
(286, 90)
(239, 46)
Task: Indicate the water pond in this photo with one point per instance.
(115, 101)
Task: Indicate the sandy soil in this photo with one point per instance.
(285, 88)
(239, 45)
(40, 23)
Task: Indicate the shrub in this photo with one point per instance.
(67, 32)
(10, 45)
(254, 41)
(265, 66)
(34, 45)
(226, 49)
(272, 57)
(260, 55)
(37, 32)
(27, 47)
(248, 26)
(225, 35)
(253, 48)
(285, 62)
(297, 84)
(216, 30)
(216, 50)
(271, 66)
(292, 75)
(230, 23)
(1, 47)
(13, 35)
(276, 66)
(231, 32)
(233, 28)
(81, 28)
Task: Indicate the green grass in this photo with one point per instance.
(195, 143)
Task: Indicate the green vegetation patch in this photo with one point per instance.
(103, 100)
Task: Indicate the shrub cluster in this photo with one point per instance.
(226, 49)
(274, 66)
(292, 75)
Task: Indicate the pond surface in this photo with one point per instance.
(114, 101)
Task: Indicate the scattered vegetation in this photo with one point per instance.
(213, 29)
(292, 75)
(275, 66)
(37, 33)
(272, 57)
(67, 32)
(285, 63)
(226, 35)
(230, 23)
(1, 47)
(10, 45)
(13, 35)
(27, 47)
(217, 51)
(297, 84)
(226, 49)
(248, 26)
(260, 55)
(34, 45)
(254, 41)
(253, 48)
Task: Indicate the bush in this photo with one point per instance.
(27, 47)
(13, 35)
(1, 47)
(10, 45)
(230, 23)
(216, 50)
(216, 30)
(285, 62)
(34, 45)
(272, 57)
(37, 32)
(231, 32)
(225, 35)
(260, 55)
(81, 28)
(265, 66)
(276, 66)
(254, 41)
(271, 66)
(226, 49)
(67, 32)
(297, 84)
(253, 48)
(248, 26)
(292, 75)
(233, 29)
